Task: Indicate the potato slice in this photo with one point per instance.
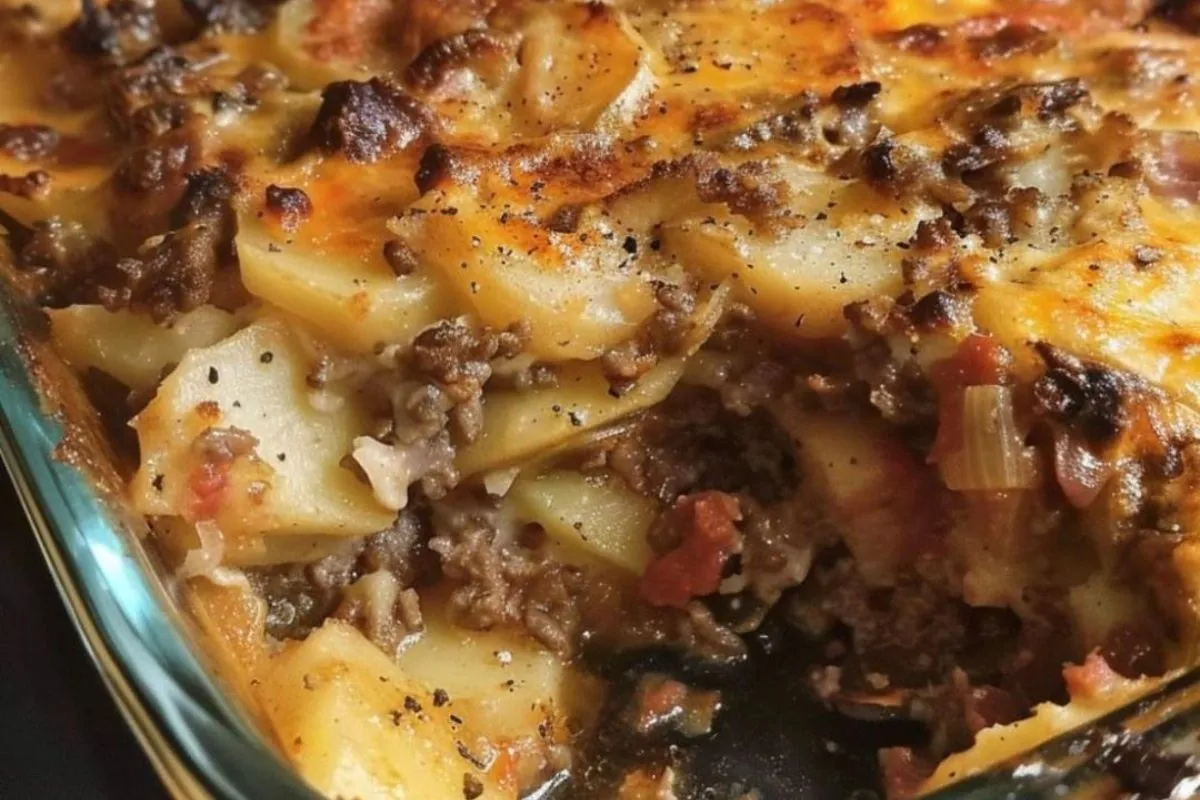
(233, 619)
(601, 519)
(799, 280)
(357, 305)
(582, 67)
(884, 499)
(356, 725)
(502, 682)
(317, 42)
(175, 536)
(1092, 302)
(519, 424)
(129, 346)
(579, 298)
(255, 381)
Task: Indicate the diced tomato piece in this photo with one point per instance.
(978, 361)
(903, 772)
(1092, 678)
(208, 483)
(693, 569)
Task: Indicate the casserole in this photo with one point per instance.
(507, 401)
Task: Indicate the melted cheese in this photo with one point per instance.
(569, 164)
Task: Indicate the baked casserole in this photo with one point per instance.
(499, 377)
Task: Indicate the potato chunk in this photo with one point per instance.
(578, 297)
(800, 279)
(292, 482)
(519, 424)
(501, 681)
(597, 519)
(356, 725)
(357, 305)
(129, 346)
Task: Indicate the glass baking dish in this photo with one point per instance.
(204, 745)
(200, 743)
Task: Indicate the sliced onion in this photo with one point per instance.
(391, 469)
(497, 482)
(993, 457)
(1080, 474)
(204, 559)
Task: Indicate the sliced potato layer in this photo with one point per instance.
(291, 482)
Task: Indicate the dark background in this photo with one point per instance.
(60, 734)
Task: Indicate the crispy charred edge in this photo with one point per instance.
(365, 121)
(28, 142)
(179, 272)
(229, 16)
(821, 128)
(1087, 397)
(118, 31)
(290, 205)
(31, 185)
(434, 65)
(1184, 13)
(986, 121)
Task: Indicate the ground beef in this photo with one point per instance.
(909, 632)
(366, 121)
(434, 65)
(385, 613)
(453, 361)
(664, 333)
(179, 272)
(300, 596)
(148, 97)
(28, 142)
(227, 16)
(63, 257)
(223, 445)
(900, 391)
(290, 205)
(500, 584)
(778, 543)
(120, 31)
(30, 185)
(692, 443)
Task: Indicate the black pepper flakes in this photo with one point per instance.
(440, 698)
(411, 704)
(465, 753)
(213, 376)
(266, 358)
(157, 483)
(472, 786)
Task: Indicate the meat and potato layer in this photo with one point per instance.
(465, 354)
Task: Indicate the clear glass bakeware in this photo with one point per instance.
(202, 744)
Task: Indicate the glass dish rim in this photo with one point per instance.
(200, 742)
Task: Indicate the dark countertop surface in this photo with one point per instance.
(61, 736)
